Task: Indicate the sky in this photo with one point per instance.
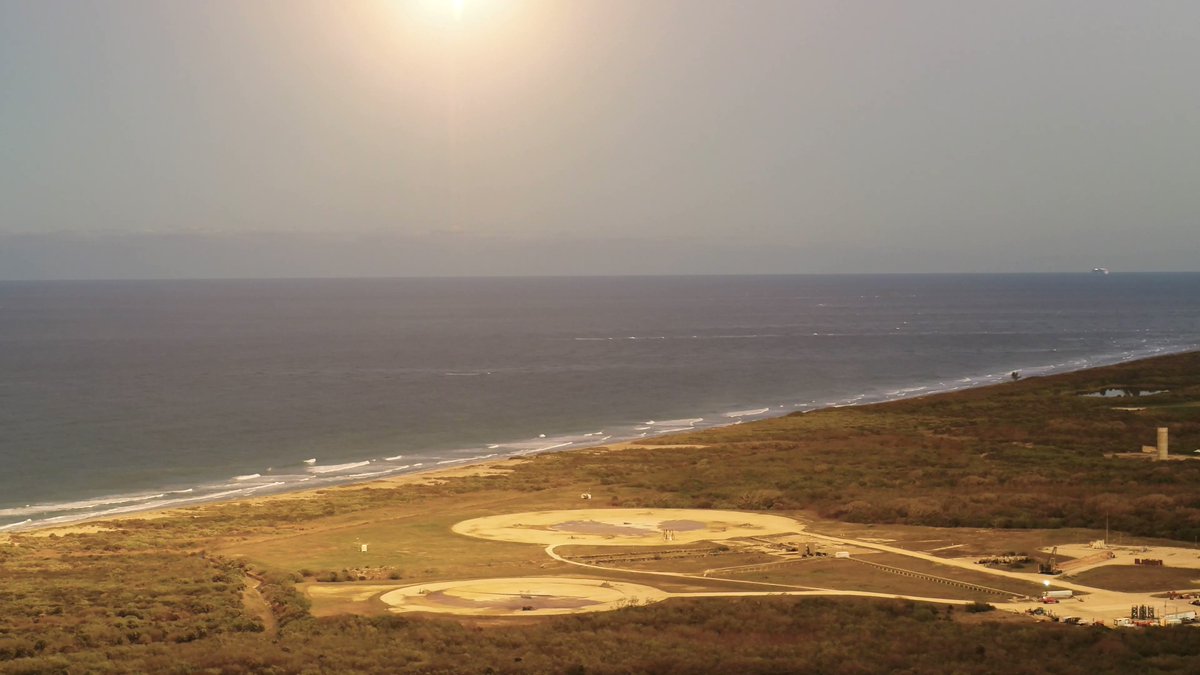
(299, 138)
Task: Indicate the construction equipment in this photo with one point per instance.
(1051, 564)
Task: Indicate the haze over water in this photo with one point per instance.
(160, 393)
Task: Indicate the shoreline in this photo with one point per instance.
(495, 463)
(430, 476)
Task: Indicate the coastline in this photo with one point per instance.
(495, 464)
(430, 476)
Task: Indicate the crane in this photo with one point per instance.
(1051, 564)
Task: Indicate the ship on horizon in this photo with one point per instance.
(1099, 270)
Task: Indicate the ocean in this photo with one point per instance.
(117, 396)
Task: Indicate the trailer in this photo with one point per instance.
(1059, 595)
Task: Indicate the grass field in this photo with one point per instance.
(404, 541)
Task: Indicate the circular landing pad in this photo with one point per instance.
(625, 527)
(520, 596)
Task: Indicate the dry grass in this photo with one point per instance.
(848, 575)
(1139, 579)
(405, 542)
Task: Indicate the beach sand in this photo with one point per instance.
(430, 476)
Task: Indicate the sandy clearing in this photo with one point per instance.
(625, 527)
(346, 592)
(520, 596)
(1172, 556)
(539, 596)
(64, 530)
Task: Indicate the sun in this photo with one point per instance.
(462, 20)
(456, 15)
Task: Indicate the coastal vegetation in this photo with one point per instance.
(1036, 453)
(761, 635)
(168, 593)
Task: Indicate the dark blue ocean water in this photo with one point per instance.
(123, 395)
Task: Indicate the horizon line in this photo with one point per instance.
(1088, 273)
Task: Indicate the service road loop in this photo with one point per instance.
(654, 527)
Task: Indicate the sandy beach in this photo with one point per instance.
(425, 476)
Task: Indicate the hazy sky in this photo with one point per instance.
(394, 137)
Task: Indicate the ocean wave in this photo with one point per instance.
(334, 468)
(32, 509)
(845, 402)
(683, 422)
(906, 391)
(249, 476)
(746, 413)
(372, 474)
(393, 458)
(547, 448)
(152, 505)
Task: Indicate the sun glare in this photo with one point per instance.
(450, 13)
